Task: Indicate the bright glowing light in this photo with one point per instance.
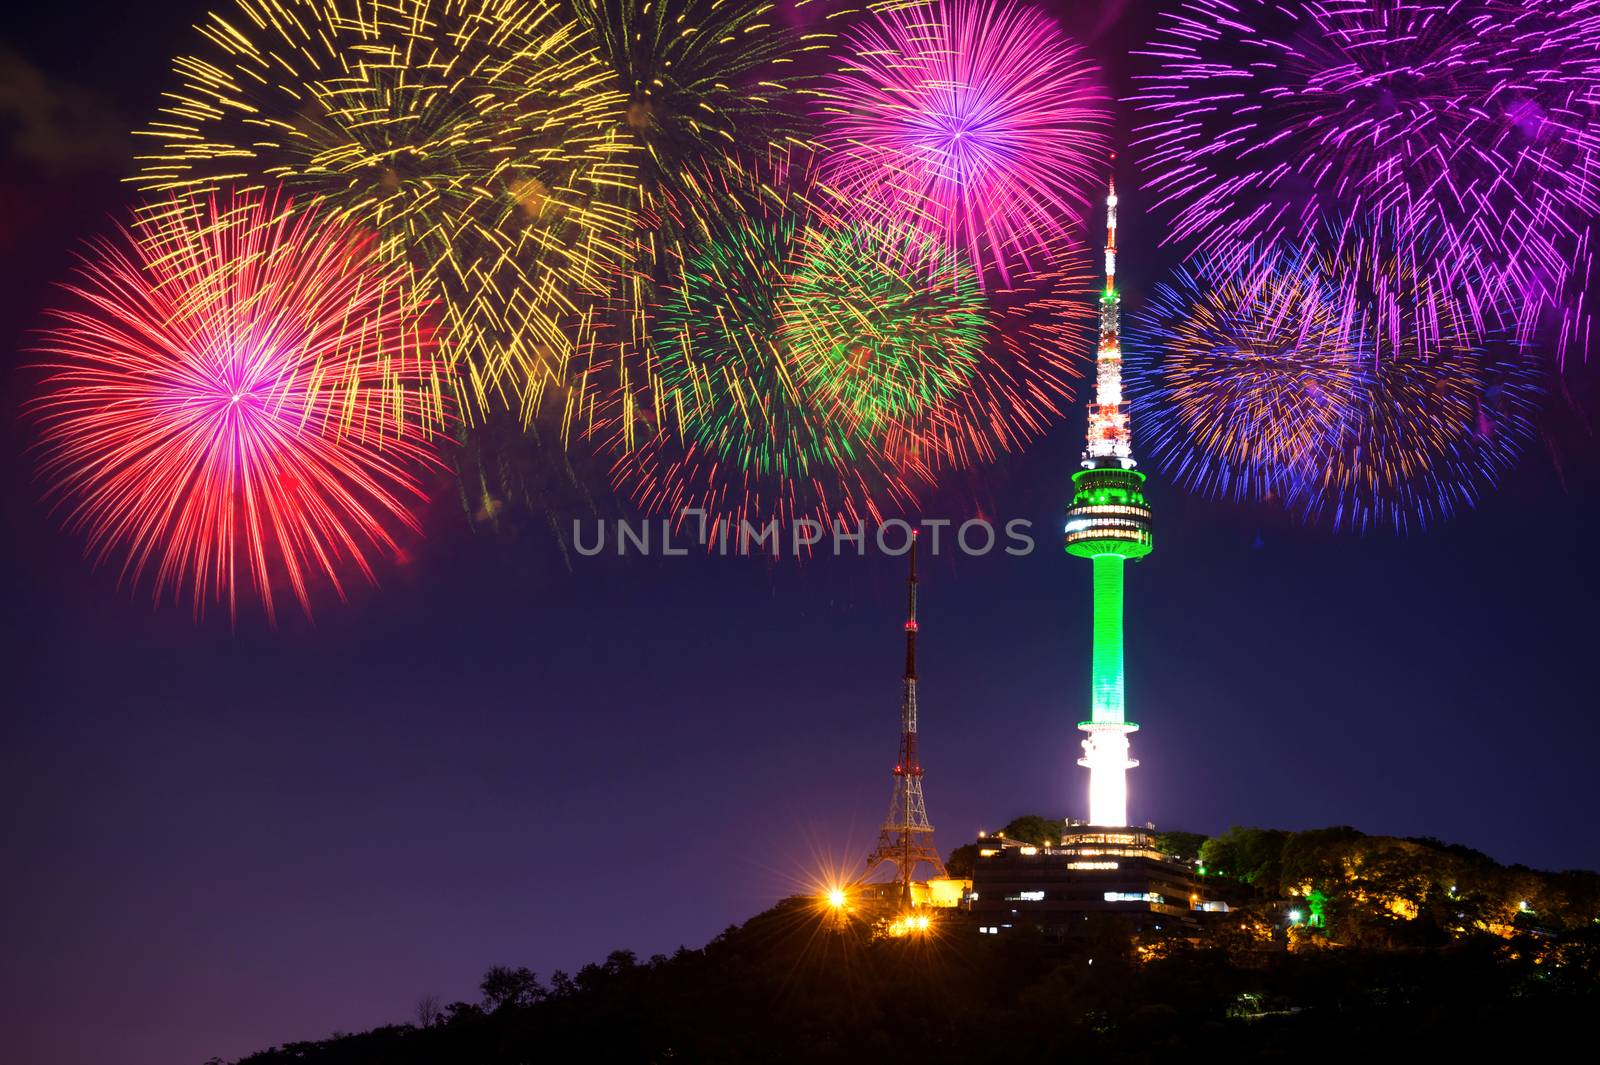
(908, 924)
(239, 399)
(836, 898)
(1105, 754)
(1335, 380)
(1295, 916)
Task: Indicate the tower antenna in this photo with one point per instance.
(906, 839)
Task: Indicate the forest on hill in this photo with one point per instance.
(1420, 947)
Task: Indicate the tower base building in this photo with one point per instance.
(1095, 874)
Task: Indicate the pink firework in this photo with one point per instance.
(982, 123)
(240, 394)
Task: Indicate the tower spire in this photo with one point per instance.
(1109, 440)
(1108, 523)
(906, 838)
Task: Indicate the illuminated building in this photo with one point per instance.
(1095, 871)
(906, 839)
(1108, 523)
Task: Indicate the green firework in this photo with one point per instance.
(879, 333)
(726, 370)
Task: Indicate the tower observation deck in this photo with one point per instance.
(1108, 523)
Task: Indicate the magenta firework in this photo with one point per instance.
(1470, 121)
(984, 123)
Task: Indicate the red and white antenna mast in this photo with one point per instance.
(906, 839)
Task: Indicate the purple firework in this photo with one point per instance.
(1466, 121)
(1309, 380)
(980, 123)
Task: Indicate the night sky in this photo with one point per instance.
(223, 839)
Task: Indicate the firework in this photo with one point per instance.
(878, 336)
(700, 83)
(242, 390)
(1300, 379)
(1470, 122)
(474, 137)
(813, 366)
(1253, 380)
(1041, 331)
(700, 78)
(743, 426)
(980, 123)
(616, 393)
(1435, 433)
(726, 374)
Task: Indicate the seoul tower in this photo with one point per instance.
(906, 839)
(1108, 523)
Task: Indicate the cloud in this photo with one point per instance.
(53, 125)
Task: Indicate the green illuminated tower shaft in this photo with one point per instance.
(1105, 666)
(1108, 523)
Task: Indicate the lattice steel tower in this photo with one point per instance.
(906, 839)
(1108, 523)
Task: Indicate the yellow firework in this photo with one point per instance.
(475, 137)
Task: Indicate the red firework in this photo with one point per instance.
(240, 387)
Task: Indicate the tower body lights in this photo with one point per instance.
(1108, 523)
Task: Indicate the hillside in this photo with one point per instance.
(1424, 946)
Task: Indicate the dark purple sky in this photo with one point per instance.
(221, 840)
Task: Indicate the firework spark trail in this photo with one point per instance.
(749, 430)
(701, 79)
(1434, 435)
(1041, 335)
(476, 137)
(1241, 375)
(1279, 381)
(240, 388)
(980, 123)
(880, 328)
(813, 366)
(729, 377)
(700, 82)
(1470, 122)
